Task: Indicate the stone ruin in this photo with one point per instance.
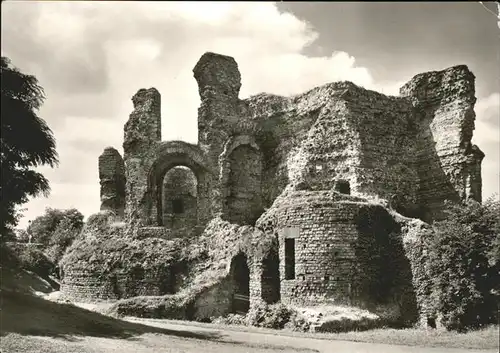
(322, 172)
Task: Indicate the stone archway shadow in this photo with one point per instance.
(240, 276)
(173, 154)
(240, 177)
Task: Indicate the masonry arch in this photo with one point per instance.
(172, 155)
(179, 198)
(270, 277)
(241, 180)
(240, 277)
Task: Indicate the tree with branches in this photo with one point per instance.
(26, 142)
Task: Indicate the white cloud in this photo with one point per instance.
(488, 119)
(91, 57)
(487, 137)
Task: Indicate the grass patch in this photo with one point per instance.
(481, 339)
(23, 281)
(24, 314)
(167, 306)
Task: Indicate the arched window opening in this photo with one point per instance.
(244, 202)
(179, 198)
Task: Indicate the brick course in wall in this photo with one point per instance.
(112, 180)
(85, 286)
(326, 236)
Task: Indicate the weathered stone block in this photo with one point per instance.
(112, 180)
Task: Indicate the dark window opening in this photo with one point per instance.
(431, 322)
(327, 278)
(177, 206)
(343, 187)
(241, 282)
(270, 278)
(289, 258)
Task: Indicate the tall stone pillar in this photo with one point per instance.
(444, 105)
(142, 133)
(219, 83)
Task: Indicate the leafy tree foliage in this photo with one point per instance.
(465, 265)
(56, 227)
(8, 235)
(34, 260)
(26, 143)
(22, 236)
(64, 235)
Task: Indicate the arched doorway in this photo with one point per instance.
(270, 278)
(178, 176)
(240, 275)
(179, 198)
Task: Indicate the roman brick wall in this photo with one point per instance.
(85, 286)
(112, 180)
(340, 248)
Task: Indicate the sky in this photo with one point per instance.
(91, 58)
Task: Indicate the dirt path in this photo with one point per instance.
(262, 342)
(185, 338)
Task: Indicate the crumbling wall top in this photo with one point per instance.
(439, 86)
(110, 153)
(143, 127)
(219, 72)
(145, 99)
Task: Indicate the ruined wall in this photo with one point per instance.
(415, 148)
(386, 130)
(86, 286)
(147, 159)
(280, 125)
(280, 158)
(219, 83)
(336, 131)
(344, 248)
(215, 301)
(112, 180)
(141, 134)
(179, 198)
(448, 165)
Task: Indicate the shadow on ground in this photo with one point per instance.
(29, 315)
